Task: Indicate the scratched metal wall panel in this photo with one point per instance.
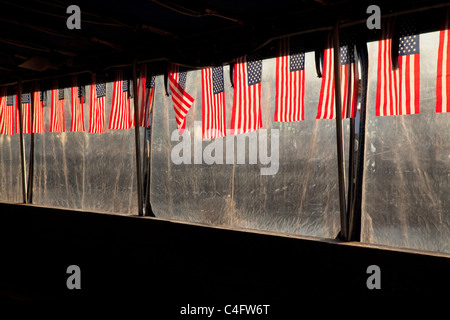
(80, 170)
(407, 168)
(301, 198)
(10, 170)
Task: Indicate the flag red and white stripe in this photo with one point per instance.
(289, 83)
(77, 97)
(146, 90)
(26, 113)
(38, 110)
(57, 118)
(120, 111)
(246, 113)
(9, 113)
(213, 106)
(182, 101)
(17, 118)
(327, 108)
(443, 68)
(349, 80)
(398, 87)
(97, 113)
(2, 108)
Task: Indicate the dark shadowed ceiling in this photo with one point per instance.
(36, 43)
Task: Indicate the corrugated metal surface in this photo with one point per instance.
(10, 178)
(301, 198)
(79, 170)
(407, 175)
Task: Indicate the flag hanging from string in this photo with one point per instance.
(246, 113)
(97, 113)
(146, 90)
(349, 79)
(57, 118)
(77, 97)
(38, 110)
(290, 82)
(182, 101)
(398, 72)
(213, 106)
(120, 111)
(9, 113)
(2, 108)
(443, 67)
(26, 112)
(77, 101)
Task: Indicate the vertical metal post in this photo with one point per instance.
(351, 178)
(22, 145)
(339, 135)
(145, 171)
(31, 164)
(137, 140)
(355, 218)
(351, 193)
(148, 206)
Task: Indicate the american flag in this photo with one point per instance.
(246, 113)
(443, 68)
(77, 96)
(38, 110)
(213, 107)
(349, 80)
(398, 87)
(2, 108)
(9, 113)
(182, 101)
(290, 82)
(8, 108)
(146, 88)
(26, 112)
(120, 110)
(57, 119)
(98, 105)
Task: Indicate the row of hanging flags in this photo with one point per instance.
(120, 117)
(398, 84)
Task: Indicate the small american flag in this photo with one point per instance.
(26, 112)
(213, 107)
(120, 110)
(349, 80)
(38, 110)
(57, 119)
(246, 113)
(98, 105)
(77, 95)
(182, 101)
(443, 68)
(349, 77)
(8, 112)
(290, 82)
(398, 88)
(2, 108)
(146, 88)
